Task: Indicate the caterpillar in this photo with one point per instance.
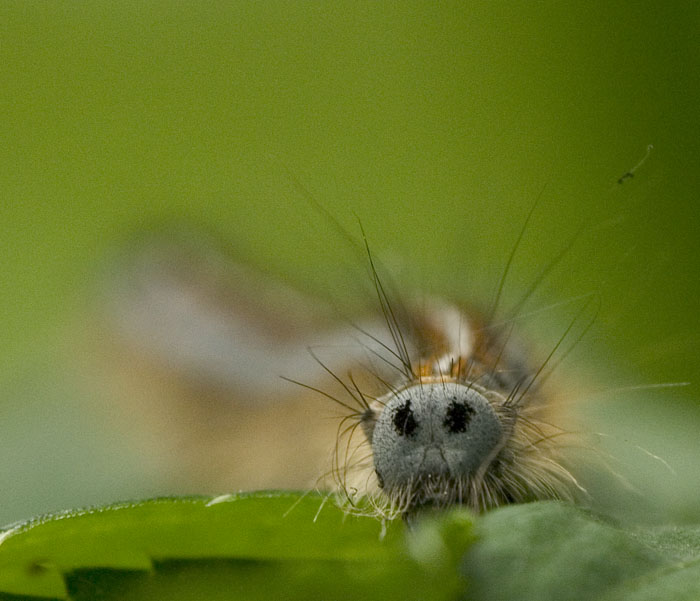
(440, 404)
(457, 415)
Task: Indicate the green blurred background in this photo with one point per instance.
(439, 125)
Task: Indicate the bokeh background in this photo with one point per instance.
(439, 126)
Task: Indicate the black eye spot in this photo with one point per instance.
(458, 417)
(404, 421)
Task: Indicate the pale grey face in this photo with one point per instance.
(433, 430)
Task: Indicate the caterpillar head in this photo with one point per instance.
(433, 437)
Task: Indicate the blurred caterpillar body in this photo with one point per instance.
(441, 406)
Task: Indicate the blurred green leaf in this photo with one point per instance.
(546, 551)
(294, 546)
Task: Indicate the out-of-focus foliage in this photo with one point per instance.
(438, 125)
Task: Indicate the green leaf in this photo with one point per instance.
(552, 551)
(295, 546)
(250, 545)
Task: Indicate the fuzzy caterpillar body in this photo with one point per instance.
(439, 406)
